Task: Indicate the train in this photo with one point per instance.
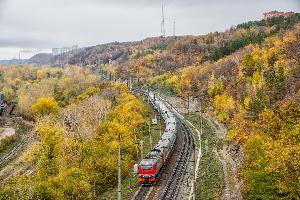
(149, 169)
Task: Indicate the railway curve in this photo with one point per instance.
(174, 182)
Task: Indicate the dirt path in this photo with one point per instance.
(232, 188)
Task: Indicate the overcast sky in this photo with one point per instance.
(43, 24)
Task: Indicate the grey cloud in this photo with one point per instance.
(51, 23)
(1, 7)
(25, 43)
(188, 3)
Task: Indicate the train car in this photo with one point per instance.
(150, 167)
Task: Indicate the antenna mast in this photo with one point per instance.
(163, 30)
(174, 28)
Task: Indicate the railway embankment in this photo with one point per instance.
(216, 161)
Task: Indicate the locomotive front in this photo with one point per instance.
(147, 171)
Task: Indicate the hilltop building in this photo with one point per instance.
(275, 13)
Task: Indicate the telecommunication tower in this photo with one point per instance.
(174, 28)
(163, 30)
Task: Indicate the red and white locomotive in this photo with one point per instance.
(149, 168)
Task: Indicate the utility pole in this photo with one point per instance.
(119, 170)
(150, 135)
(159, 125)
(148, 94)
(195, 175)
(136, 143)
(200, 112)
(130, 83)
(189, 105)
(142, 146)
(200, 127)
(94, 188)
(163, 30)
(94, 185)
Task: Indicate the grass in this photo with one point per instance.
(210, 178)
(130, 183)
(194, 119)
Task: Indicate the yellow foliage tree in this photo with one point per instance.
(45, 106)
(224, 106)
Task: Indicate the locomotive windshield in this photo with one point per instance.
(146, 167)
(146, 164)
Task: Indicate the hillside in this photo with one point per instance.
(255, 91)
(249, 75)
(160, 55)
(250, 78)
(40, 59)
(73, 121)
(247, 79)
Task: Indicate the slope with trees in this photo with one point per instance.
(79, 119)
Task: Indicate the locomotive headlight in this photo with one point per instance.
(147, 176)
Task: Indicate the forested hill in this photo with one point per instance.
(255, 91)
(250, 77)
(164, 54)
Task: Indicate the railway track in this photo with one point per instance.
(173, 186)
(13, 152)
(9, 112)
(142, 193)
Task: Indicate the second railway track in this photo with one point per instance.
(173, 186)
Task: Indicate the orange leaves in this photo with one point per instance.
(188, 80)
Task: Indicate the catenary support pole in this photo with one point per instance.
(142, 146)
(150, 135)
(119, 170)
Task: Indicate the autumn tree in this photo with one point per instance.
(45, 106)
